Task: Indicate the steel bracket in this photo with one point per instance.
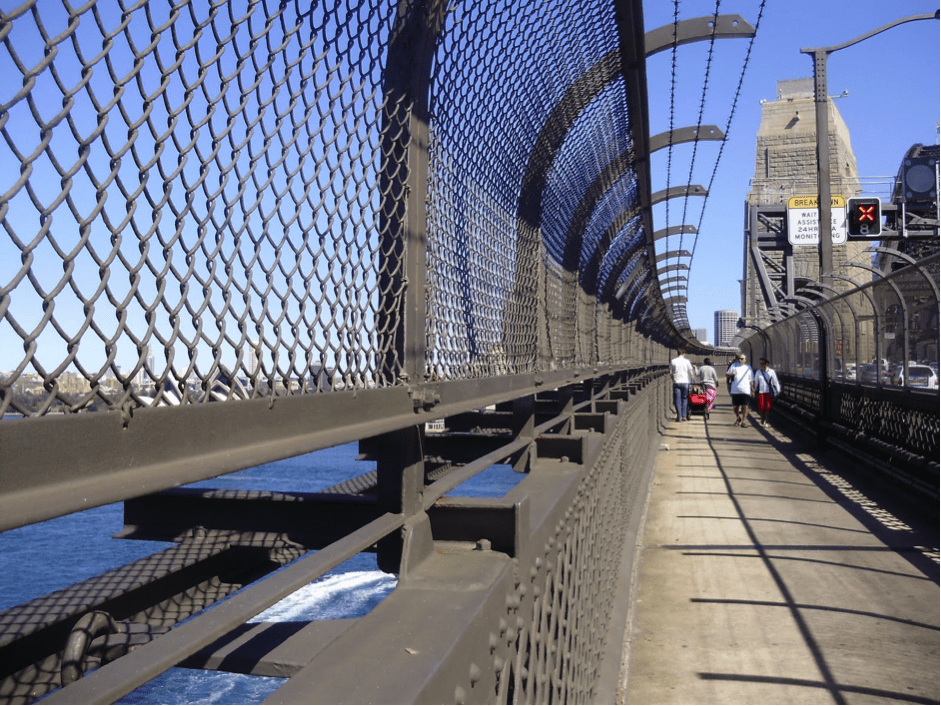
(424, 398)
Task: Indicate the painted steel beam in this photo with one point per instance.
(674, 300)
(677, 192)
(677, 279)
(683, 135)
(631, 278)
(675, 230)
(672, 290)
(671, 268)
(673, 254)
(102, 458)
(697, 29)
(313, 520)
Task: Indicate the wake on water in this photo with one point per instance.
(349, 595)
(351, 590)
(345, 595)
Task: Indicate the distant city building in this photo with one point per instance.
(148, 357)
(701, 335)
(726, 326)
(253, 362)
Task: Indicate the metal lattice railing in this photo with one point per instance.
(514, 603)
(206, 201)
(862, 363)
(191, 201)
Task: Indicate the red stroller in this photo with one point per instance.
(697, 399)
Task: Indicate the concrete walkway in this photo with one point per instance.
(770, 573)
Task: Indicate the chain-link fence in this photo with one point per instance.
(217, 201)
(873, 332)
(190, 201)
(865, 360)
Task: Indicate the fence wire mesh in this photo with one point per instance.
(487, 147)
(876, 348)
(203, 201)
(190, 197)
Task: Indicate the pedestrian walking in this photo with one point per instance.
(741, 380)
(710, 381)
(767, 387)
(683, 374)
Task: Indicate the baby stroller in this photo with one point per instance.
(697, 399)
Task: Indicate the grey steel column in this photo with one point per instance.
(404, 177)
(822, 113)
(404, 180)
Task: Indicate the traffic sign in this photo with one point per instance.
(865, 217)
(803, 220)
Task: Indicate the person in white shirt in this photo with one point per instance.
(742, 386)
(683, 374)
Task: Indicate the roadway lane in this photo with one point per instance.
(770, 573)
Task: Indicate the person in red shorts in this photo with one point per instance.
(767, 387)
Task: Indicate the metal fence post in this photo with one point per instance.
(404, 179)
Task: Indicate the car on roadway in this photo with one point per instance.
(918, 376)
(868, 373)
(849, 372)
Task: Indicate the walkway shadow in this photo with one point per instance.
(909, 528)
(906, 533)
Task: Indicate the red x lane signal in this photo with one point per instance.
(864, 217)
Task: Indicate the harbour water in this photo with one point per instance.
(41, 558)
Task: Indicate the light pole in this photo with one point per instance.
(822, 114)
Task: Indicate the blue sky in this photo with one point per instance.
(893, 100)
